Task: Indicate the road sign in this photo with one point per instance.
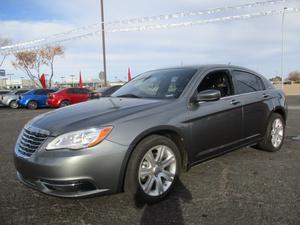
(101, 76)
(2, 73)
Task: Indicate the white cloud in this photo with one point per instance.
(254, 43)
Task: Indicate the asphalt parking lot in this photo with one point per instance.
(243, 187)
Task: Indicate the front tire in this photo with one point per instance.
(274, 136)
(13, 104)
(153, 169)
(32, 105)
(64, 103)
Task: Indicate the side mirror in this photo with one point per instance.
(207, 95)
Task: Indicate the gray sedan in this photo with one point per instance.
(11, 98)
(155, 126)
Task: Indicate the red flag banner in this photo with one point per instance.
(80, 81)
(43, 81)
(129, 74)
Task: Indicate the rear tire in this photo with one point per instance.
(14, 104)
(64, 103)
(32, 105)
(153, 169)
(274, 135)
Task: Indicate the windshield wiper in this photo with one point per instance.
(128, 96)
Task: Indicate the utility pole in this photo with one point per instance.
(103, 42)
(282, 46)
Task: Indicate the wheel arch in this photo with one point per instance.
(10, 100)
(63, 99)
(280, 110)
(168, 131)
(31, 100)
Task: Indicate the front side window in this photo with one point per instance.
(162, 84)
(217, 80)
(43, 92)
(39, 92)
(247, 82)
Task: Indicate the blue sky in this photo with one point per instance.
(25, 10)
(254, 43)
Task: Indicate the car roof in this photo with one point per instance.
(35, 89)
(68, 88)
(208, 67)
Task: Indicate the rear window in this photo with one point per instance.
(247, 82)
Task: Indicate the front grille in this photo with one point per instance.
(30, 141)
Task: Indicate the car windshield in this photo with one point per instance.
(28, 92)
(162, 84)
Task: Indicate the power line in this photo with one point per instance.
(87, 31)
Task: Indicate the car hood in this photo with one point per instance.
(93, 113)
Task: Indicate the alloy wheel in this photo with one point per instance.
(277, 133)
(14, 104)
(157, 170)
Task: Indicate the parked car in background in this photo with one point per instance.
(104, 91)
(11, 99)
(3, 92)
(68, 96)
(36, 98)
(158, 124)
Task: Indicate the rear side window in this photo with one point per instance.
(39, 92)
(83, 91)
(246, 82)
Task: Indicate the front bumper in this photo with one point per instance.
(21, 103)
(68, 173)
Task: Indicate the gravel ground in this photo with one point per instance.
(243, 187)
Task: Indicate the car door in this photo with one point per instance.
(216, 125)
(42, 96)
(84, 94)
(39, 97)
(70, 95)
(76, 95)
(256, 103)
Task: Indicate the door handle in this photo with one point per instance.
(265, 95)
(234, 102)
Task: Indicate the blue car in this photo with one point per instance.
(36, 98)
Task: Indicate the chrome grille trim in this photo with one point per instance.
(30, 140)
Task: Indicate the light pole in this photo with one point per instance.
(103, 41)
(72, 76)
(282, 45)
(62, 80)
(10, 83)
(5, 82)
(22, 81)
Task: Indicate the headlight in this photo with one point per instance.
(79, 139)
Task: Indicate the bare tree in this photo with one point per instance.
(48, 54)
(27, 61)
(4, 42)
(31, 61)
(294, 76)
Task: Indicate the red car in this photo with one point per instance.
(68, 96)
